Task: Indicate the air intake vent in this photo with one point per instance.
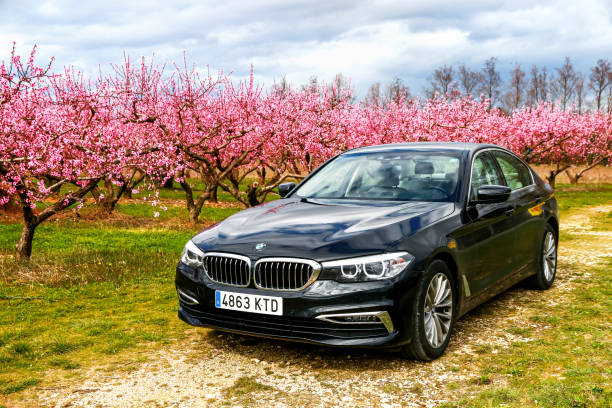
(228, 269)
(285, 273)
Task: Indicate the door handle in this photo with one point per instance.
(509, 212)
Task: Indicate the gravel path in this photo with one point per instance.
(216, 369)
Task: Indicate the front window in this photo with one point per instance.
(396, 176)
(483, 173)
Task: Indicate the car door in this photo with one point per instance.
(526, 226)
(486, 239)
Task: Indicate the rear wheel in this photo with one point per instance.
(433, 313)
(547, 264)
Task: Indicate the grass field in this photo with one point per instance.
(100, 293)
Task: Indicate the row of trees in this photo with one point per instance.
(563, 85)
(65, 137)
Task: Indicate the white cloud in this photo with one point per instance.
(363, 52)
(368, 41)
(49, 9)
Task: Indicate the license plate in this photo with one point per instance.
(244, 302)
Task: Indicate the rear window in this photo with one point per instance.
(515, 172)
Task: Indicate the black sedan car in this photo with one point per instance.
(382, 246)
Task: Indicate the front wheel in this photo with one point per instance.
(433, 313)
(547, 265)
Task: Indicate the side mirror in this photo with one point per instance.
(285, 188)
(492, 194)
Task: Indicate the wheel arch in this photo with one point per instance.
(445, 256)
(553, 222)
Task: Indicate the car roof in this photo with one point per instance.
(429, 146)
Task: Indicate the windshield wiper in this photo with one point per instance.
(310, 201)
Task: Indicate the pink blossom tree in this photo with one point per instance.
(297, 130)
(59, 138)
(41, 148)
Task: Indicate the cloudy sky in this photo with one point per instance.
(368, 41)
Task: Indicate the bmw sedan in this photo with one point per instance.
(384, 246)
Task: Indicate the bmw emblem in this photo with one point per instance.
(260, 247)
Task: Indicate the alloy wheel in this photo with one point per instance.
(438, 310)
(549, 256)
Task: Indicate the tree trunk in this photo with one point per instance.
(551, 178)
(213, 196)
(573, 178)
(194, 215)
(112, 196)
(24, 245)
(135, 180)
(552, 175)
(252, 195)
(194, 207)
(31, 220)
(579, 173)
(23, 249)
(108, 204)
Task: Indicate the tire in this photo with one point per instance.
(547, 261)
(427, 345)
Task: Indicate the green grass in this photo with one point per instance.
(95, 292)
(245, 386)
(98, 291)
(214, 214)
(571, 197)
(243, 392)
(79, 237)
(20, 385)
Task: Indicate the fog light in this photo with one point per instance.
(360, 318)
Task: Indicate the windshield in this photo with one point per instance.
(396, 175)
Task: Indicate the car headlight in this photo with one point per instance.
(192, 256)
(368, 268)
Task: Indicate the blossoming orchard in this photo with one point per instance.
(67, 138)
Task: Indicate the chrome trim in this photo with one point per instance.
(235, 270)
(186, 298)
(384, 318)
(466, 286)
(467, 202)
(316, 270)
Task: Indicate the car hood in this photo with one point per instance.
(320, 229)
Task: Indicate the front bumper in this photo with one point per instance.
(306, 313)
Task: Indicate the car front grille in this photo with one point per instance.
(228, 269)
(268, 273)
(285, 273)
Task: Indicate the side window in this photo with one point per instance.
(515, 172)
(483, 173)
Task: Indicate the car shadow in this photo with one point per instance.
(476, 327)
